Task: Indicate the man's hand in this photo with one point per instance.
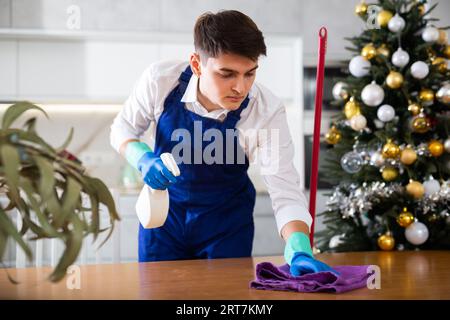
(302, 263)
(154, 172)
(298, 254)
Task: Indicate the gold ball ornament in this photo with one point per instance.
(447, 51)
(351, 108)
(421, 9)
(440, 63)
(390, 150)
(426, 96)
(405, 218)
(383, 50)
(431, 53)
(383, 18)
(420, 124)
(415, 189)
(389, 173)
(333, 136)
(443, 37)
(408, 156)
(361, 9)
(394, 80)
(414, 108)
(436, 148)
(369, 51)
(386, 242)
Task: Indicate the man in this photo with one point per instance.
(211, 204)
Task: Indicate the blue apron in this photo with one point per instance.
(210, 205)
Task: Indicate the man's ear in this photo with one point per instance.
(195, 64)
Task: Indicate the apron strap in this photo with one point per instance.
(184, 78)
(232, 117)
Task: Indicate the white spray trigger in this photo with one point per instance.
(170, 163)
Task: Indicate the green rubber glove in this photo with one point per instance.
(134, 152)
(297, 242)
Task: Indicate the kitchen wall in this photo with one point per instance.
(300, 17)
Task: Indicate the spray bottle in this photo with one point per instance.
(152, 205)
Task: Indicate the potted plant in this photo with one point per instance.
(50, 189)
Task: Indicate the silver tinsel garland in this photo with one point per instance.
(361, 199)
(430, 204)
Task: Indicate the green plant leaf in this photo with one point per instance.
(95, 216)
(3, 242)
(47, 177)
(111, 230)
(33, 141)
(48, 230)
(70, 199)
(14, 111)
(73, 247)
(66, 143)
(11, 163)
(8, 228)
(105, 197)
(30, 125)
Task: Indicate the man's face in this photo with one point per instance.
(226, 79)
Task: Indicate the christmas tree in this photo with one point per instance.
(388, 151)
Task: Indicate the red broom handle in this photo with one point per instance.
(317, 118)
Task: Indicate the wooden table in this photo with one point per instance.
(404, 275)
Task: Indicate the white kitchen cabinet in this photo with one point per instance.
(100, 67)
(123, 245)
(8, 63)
(266, 240)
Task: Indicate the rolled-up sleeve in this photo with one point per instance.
(276, 154)
(137, 113)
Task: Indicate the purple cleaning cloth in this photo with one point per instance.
(271, 277)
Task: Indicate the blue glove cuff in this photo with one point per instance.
(134, 152)
(297, 242)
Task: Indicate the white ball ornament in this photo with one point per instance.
(359, 66)
(419, 70)
(430, 34)
(396, 24)
(376, 159)
(358, 122)
(372, 94)
(339, 90)
(400, 58)
(416, 233)
(447, 145)
(443, 94)
(386, 113)
(431, 187)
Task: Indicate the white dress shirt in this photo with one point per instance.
(264, 112)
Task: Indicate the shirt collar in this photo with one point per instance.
(190, 96)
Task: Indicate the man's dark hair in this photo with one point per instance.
(228, 31)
